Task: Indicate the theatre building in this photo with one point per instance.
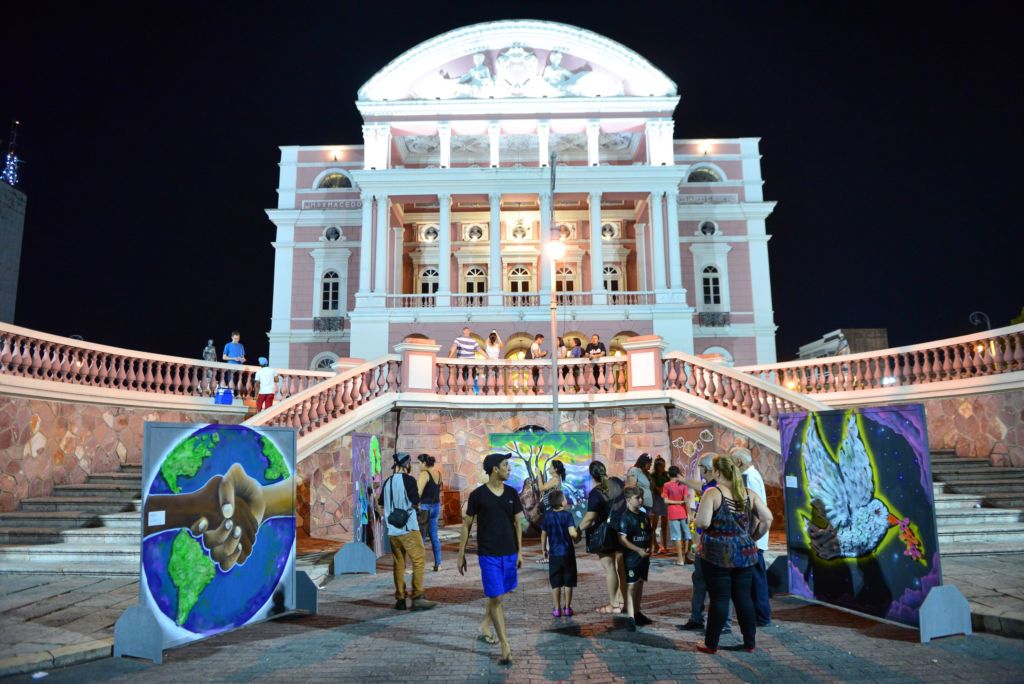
(439, 218)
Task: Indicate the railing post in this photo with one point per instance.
(419, 360)
(643, 357)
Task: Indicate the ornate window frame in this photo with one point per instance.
(423, 234)
(329, 172)
(708, 166)
(614, 231)
(711, 253)
(485, 233)
(316, 361)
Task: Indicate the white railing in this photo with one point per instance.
(992, 352)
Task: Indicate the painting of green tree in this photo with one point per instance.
(532, 453)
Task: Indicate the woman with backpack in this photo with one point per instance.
(604, 507)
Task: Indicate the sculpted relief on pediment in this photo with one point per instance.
(517, 71)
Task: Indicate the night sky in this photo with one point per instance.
(891, 141)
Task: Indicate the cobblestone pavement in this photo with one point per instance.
(357, 636)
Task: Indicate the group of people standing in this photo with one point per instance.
(266, 377)
(730, 515)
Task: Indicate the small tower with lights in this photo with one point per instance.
(12, 225)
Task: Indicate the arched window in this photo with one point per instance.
(703, 175)
(330, 286)
(476, 280)
(712, 286)
(324, 361)
(335, 180)
(428, 281)
(519, 279)
(612, 279)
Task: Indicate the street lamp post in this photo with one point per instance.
(555, 250)
(978, 317)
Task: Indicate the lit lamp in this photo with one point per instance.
(555, 249)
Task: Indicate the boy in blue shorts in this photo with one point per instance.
(499, 545)
(558, 530)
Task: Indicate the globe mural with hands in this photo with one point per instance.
(219, 527)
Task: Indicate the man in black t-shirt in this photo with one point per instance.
(596, 348)
(499, 544)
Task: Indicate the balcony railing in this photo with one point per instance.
(38, 356)
(329, 323)
(993, 352)
(517, 299)
(713, 319)
(524, 378)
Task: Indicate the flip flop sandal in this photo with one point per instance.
(489, 639)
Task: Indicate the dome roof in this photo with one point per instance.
(520, 58)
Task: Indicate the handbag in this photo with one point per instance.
(398, 517)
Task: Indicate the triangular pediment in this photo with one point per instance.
(517, 59)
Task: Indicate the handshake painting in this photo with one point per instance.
(226, 513)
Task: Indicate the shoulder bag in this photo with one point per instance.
(398, 517)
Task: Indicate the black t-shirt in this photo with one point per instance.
(495, 520)
(637, 528)
(598, 347)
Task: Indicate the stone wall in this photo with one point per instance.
(47, 443)
(980, 426)
(323, 485)
(458, 440)
(767, 462)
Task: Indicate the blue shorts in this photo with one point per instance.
(679, 530)
(498, 574)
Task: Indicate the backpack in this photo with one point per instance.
(604, 537)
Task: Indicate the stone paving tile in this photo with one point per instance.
(358, 637)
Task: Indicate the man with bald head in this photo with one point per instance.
(753, 481)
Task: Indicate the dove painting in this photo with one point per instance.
(860, 515)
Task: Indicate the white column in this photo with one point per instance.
(675, 272)
(641, 256)
(667, 142)
(444, 134)
(545, 235)
(543, 135)
(494, 135)
(380, 253)
(596, 251)
(281, 313)
(397, 250)
(365, 244)
(494, 256)
(761, 284)
(444, 250)
(658, 241)
(593, 138)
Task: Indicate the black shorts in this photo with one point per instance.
(637, 568)
(562, 571)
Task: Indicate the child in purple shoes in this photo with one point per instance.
(558, 531)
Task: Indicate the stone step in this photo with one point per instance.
(123, 536)
(58, 520)
(991, 475)
(985, 487)
(69, 553)
(117, 478)
(987, 534)
(1005, 500)
(29, 535)
(87, 504)
(114, 569)
(114, 490)
(954, 517)
(961, 463)
(943, 501)
(950, 550)
(128, 519)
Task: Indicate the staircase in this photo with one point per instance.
(89, 529)
(979, 509)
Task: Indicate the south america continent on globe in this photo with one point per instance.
(191, 570)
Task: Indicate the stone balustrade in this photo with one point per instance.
(329, 401)
(511, 378)
(993, 352)
(740, 392)
(30, 354)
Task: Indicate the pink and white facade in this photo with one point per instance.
(440, 217)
